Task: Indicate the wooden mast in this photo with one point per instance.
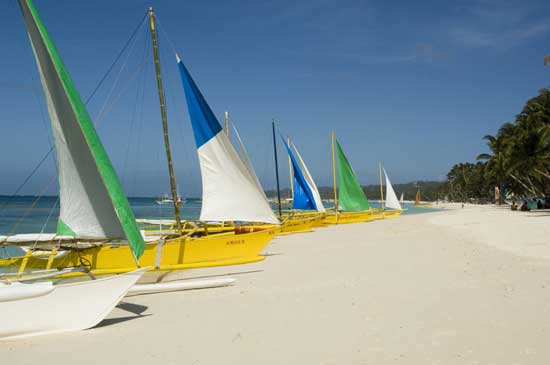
(334, 176)
(173, 185)
(227, 123)
(291, 171)
(276, 168)
(382, 204)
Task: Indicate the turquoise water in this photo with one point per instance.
(29, 215)
(33, 215)
(410, 208)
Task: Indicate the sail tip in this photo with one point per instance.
(178, 58)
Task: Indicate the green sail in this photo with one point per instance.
(93, 204)
(351, 197)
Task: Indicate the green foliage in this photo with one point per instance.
(519, 158)
(429, 190)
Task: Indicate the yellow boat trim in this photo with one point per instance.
(179, 253)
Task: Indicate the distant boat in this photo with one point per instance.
(417, 198)
(167, 200)
(401, 200)
(391, 200)
(418, 202)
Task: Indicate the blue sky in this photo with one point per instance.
(414, 84)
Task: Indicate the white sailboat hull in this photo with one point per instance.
(36, 310)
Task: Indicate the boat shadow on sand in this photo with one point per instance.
(136, 309)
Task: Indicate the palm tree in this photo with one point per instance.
(496, 161)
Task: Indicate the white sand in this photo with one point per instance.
(468, 286)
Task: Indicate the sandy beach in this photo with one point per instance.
(460, 286)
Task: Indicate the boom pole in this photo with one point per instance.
(173, 185)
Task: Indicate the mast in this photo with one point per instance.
(334, 175)
(381, 190)
(276, 168)
(227, 123)
(173, 185)
(291, 172)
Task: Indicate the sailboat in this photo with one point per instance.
(402, 200)
(392, 207)
(96, 228)
(165, 199)
(350, 202)
(291, 221)
(417, 198)
(418, 202)
(91, 204)
(308, 210)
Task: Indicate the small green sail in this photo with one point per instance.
(92, 202)
(351, 197)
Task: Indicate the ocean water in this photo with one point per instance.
(30, 214)
(33, 215)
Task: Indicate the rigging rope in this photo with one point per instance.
(35, 169)
(139, 91)
(140, 123)
(141, 22)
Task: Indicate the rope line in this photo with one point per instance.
(141, 22)
(41, 162)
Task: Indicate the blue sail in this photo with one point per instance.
(204, 122)
(303, 195)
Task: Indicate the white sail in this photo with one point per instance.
(229, 193)
(391, 198)
(309, 180)
(246, 161)
(401, 200)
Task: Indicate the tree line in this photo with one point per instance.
(429, 191)
(518, 162)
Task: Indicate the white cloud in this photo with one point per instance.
(498, 24)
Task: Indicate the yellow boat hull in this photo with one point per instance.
(297, 222)
(302, 222)
(427, 205)
(352, 217)
(392, 213)
(180, 253)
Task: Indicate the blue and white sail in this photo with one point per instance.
(306, 195)
(229, 191)
(391, 198)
